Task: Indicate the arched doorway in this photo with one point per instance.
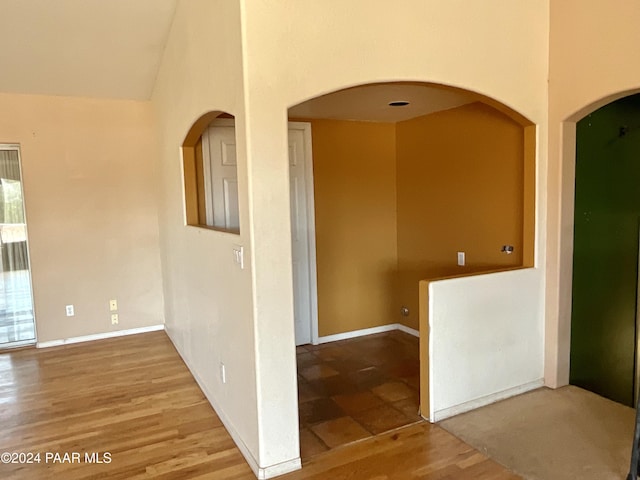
(400, 190)
(605, 255)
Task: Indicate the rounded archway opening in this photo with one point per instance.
(605, 246)
(411, 181)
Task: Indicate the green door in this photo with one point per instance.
(605, 259)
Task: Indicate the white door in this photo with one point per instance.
(221, 177)
(221, 193)
(302, 229)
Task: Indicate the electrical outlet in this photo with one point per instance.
(114, 319)
(223, 373)
(461, 258)
(70, 311)
(113, 305)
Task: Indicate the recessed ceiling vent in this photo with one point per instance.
(399, 103)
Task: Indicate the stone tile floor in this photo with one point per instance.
(357, 388)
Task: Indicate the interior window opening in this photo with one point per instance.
(211, 174)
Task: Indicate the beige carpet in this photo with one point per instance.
(546, 434)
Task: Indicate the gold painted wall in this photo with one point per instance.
(355, 205)
(460, 188)
(395, 203)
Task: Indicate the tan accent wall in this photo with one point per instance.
(90, 184)
(355, 204)
(460, 188)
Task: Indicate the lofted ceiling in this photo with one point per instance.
(113, 49)
(88, 48)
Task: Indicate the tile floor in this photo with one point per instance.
(354, 389)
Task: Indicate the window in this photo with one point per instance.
(17, 326)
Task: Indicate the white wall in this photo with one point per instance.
(591, 64)
(208, 299)
(296, 50)
(90, 186)
(485, 341)
(290, 51)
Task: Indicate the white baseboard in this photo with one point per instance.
(409, 330)
(260, 472)
(367, 331)
(99, 336)
(279, 469)
(440, 415)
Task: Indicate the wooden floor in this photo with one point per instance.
(131, 403)
(419, 451)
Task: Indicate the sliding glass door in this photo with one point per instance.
(17, 325)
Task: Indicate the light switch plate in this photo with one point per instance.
(238, 255)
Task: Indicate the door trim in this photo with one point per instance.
(305, 127)
(636, 377)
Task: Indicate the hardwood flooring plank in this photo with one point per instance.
(148, 413)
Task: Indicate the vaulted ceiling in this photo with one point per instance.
(113, 49)
(88, 48)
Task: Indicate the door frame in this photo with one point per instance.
(305, 127)
(636, 367)
(559, 240)
(23, 343)
(207, 167)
